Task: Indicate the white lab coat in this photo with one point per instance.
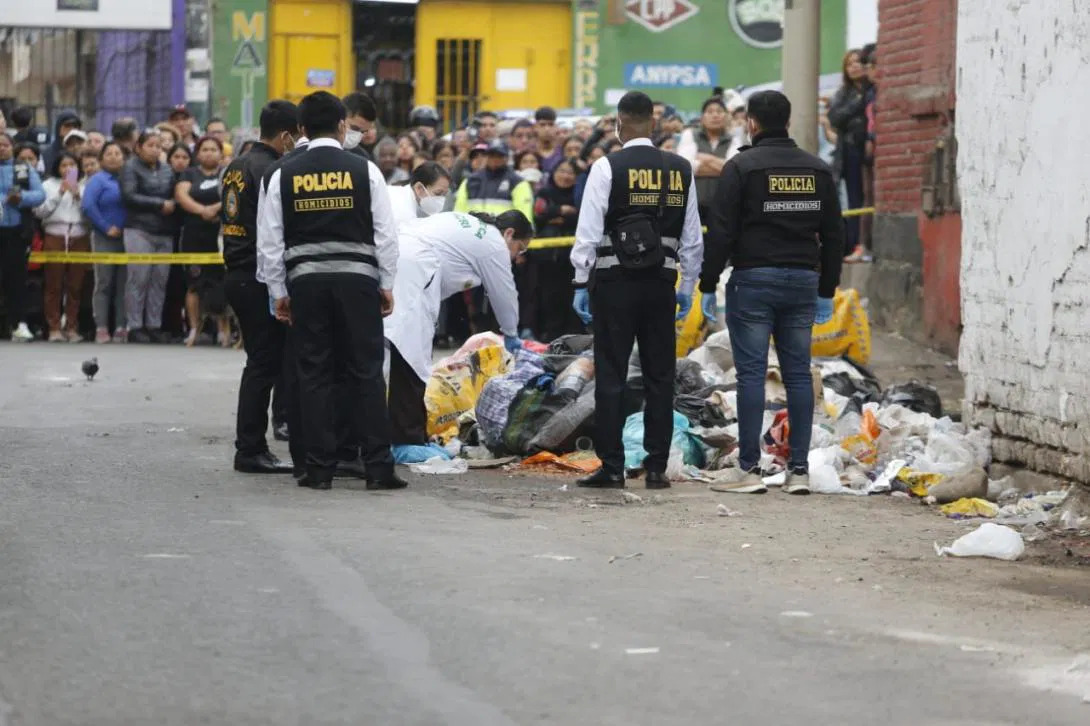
(471, 253)
(411, 326)
(403, 201)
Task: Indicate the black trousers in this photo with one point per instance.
(264, 340)
(13, 261)
(408, 416)
(337, 324)
(639, 310)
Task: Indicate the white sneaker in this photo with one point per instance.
(22, 334)
(797, 483)
(737, 481)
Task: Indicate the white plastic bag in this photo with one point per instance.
(824, 480)
(438, 465)
(987, 540)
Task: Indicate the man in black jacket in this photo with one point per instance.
(776, 219)
(262, 335)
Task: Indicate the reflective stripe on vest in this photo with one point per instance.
(607, 259)
(310, 258)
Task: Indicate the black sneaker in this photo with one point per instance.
(393, 481)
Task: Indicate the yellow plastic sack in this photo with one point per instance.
(970, 508)
(847, 333)
(452, 390)
(691, 330)
(918, 482)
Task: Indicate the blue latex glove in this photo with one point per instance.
(824, 310)
(684, 305)
(709, 306)
(513, 343)
(581, 305)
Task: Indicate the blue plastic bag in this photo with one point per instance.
(416, 454)
(692, 453)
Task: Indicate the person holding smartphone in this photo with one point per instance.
(20, 191)
(66, 230)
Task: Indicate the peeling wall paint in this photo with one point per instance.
(1024, 162)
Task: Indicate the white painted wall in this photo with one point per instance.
(862, 23)
(1024, 173)
(111, 14)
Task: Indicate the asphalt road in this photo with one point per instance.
(144, 582)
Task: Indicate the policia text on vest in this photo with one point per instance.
(327, 238)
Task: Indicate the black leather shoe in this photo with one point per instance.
(312, 482)
(264, 463)
(391, 482)
(602, 479)
(280, 431)
(298, 472)
(351, 469)
(656, 480)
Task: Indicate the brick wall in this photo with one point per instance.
(908, 291)
(916, 47)
(1023, 156)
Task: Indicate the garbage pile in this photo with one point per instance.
(866, 440)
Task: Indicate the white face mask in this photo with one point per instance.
(432, 205)
(352, 138)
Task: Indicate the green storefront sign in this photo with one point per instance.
(678, 50)
(240, 60)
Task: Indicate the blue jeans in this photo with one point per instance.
(779, 302)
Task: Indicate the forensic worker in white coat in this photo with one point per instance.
(440, 256)
(424, 195)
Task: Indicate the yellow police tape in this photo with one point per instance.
(214, 258)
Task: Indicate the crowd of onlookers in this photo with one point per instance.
(157, 190)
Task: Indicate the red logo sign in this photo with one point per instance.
(660, 15)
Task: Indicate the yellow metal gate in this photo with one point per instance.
(457, 80)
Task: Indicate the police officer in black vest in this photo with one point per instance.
(638, 225)
(328, 253)
(262, 335)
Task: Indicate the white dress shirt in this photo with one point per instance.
(471, 253)
(270, 229)
(590, 232)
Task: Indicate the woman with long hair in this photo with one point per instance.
(147, 188)
(198, 194)
(848, 117)
(104, 208)
(66, 230)
(407, 149)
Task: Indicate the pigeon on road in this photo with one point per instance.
(90, 368)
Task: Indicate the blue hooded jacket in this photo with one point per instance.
(33, 194)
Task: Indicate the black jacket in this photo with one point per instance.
(143, 190)
(776, 206)
(241, 182)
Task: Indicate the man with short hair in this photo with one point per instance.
(360, 121)
(262, 336)
(327, 251)
(521, 138)
(545, 131)
(486, 122)
(217, 129)
(638, 225)
(776, 219)
(22, 119)
(124, 133)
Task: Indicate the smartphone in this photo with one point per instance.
(71, 176)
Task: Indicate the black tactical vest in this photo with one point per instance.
(638, 175)
(326, 197)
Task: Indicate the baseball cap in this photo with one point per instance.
(478, 149)
(74, 134)
(180, 111)
(497, 147)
